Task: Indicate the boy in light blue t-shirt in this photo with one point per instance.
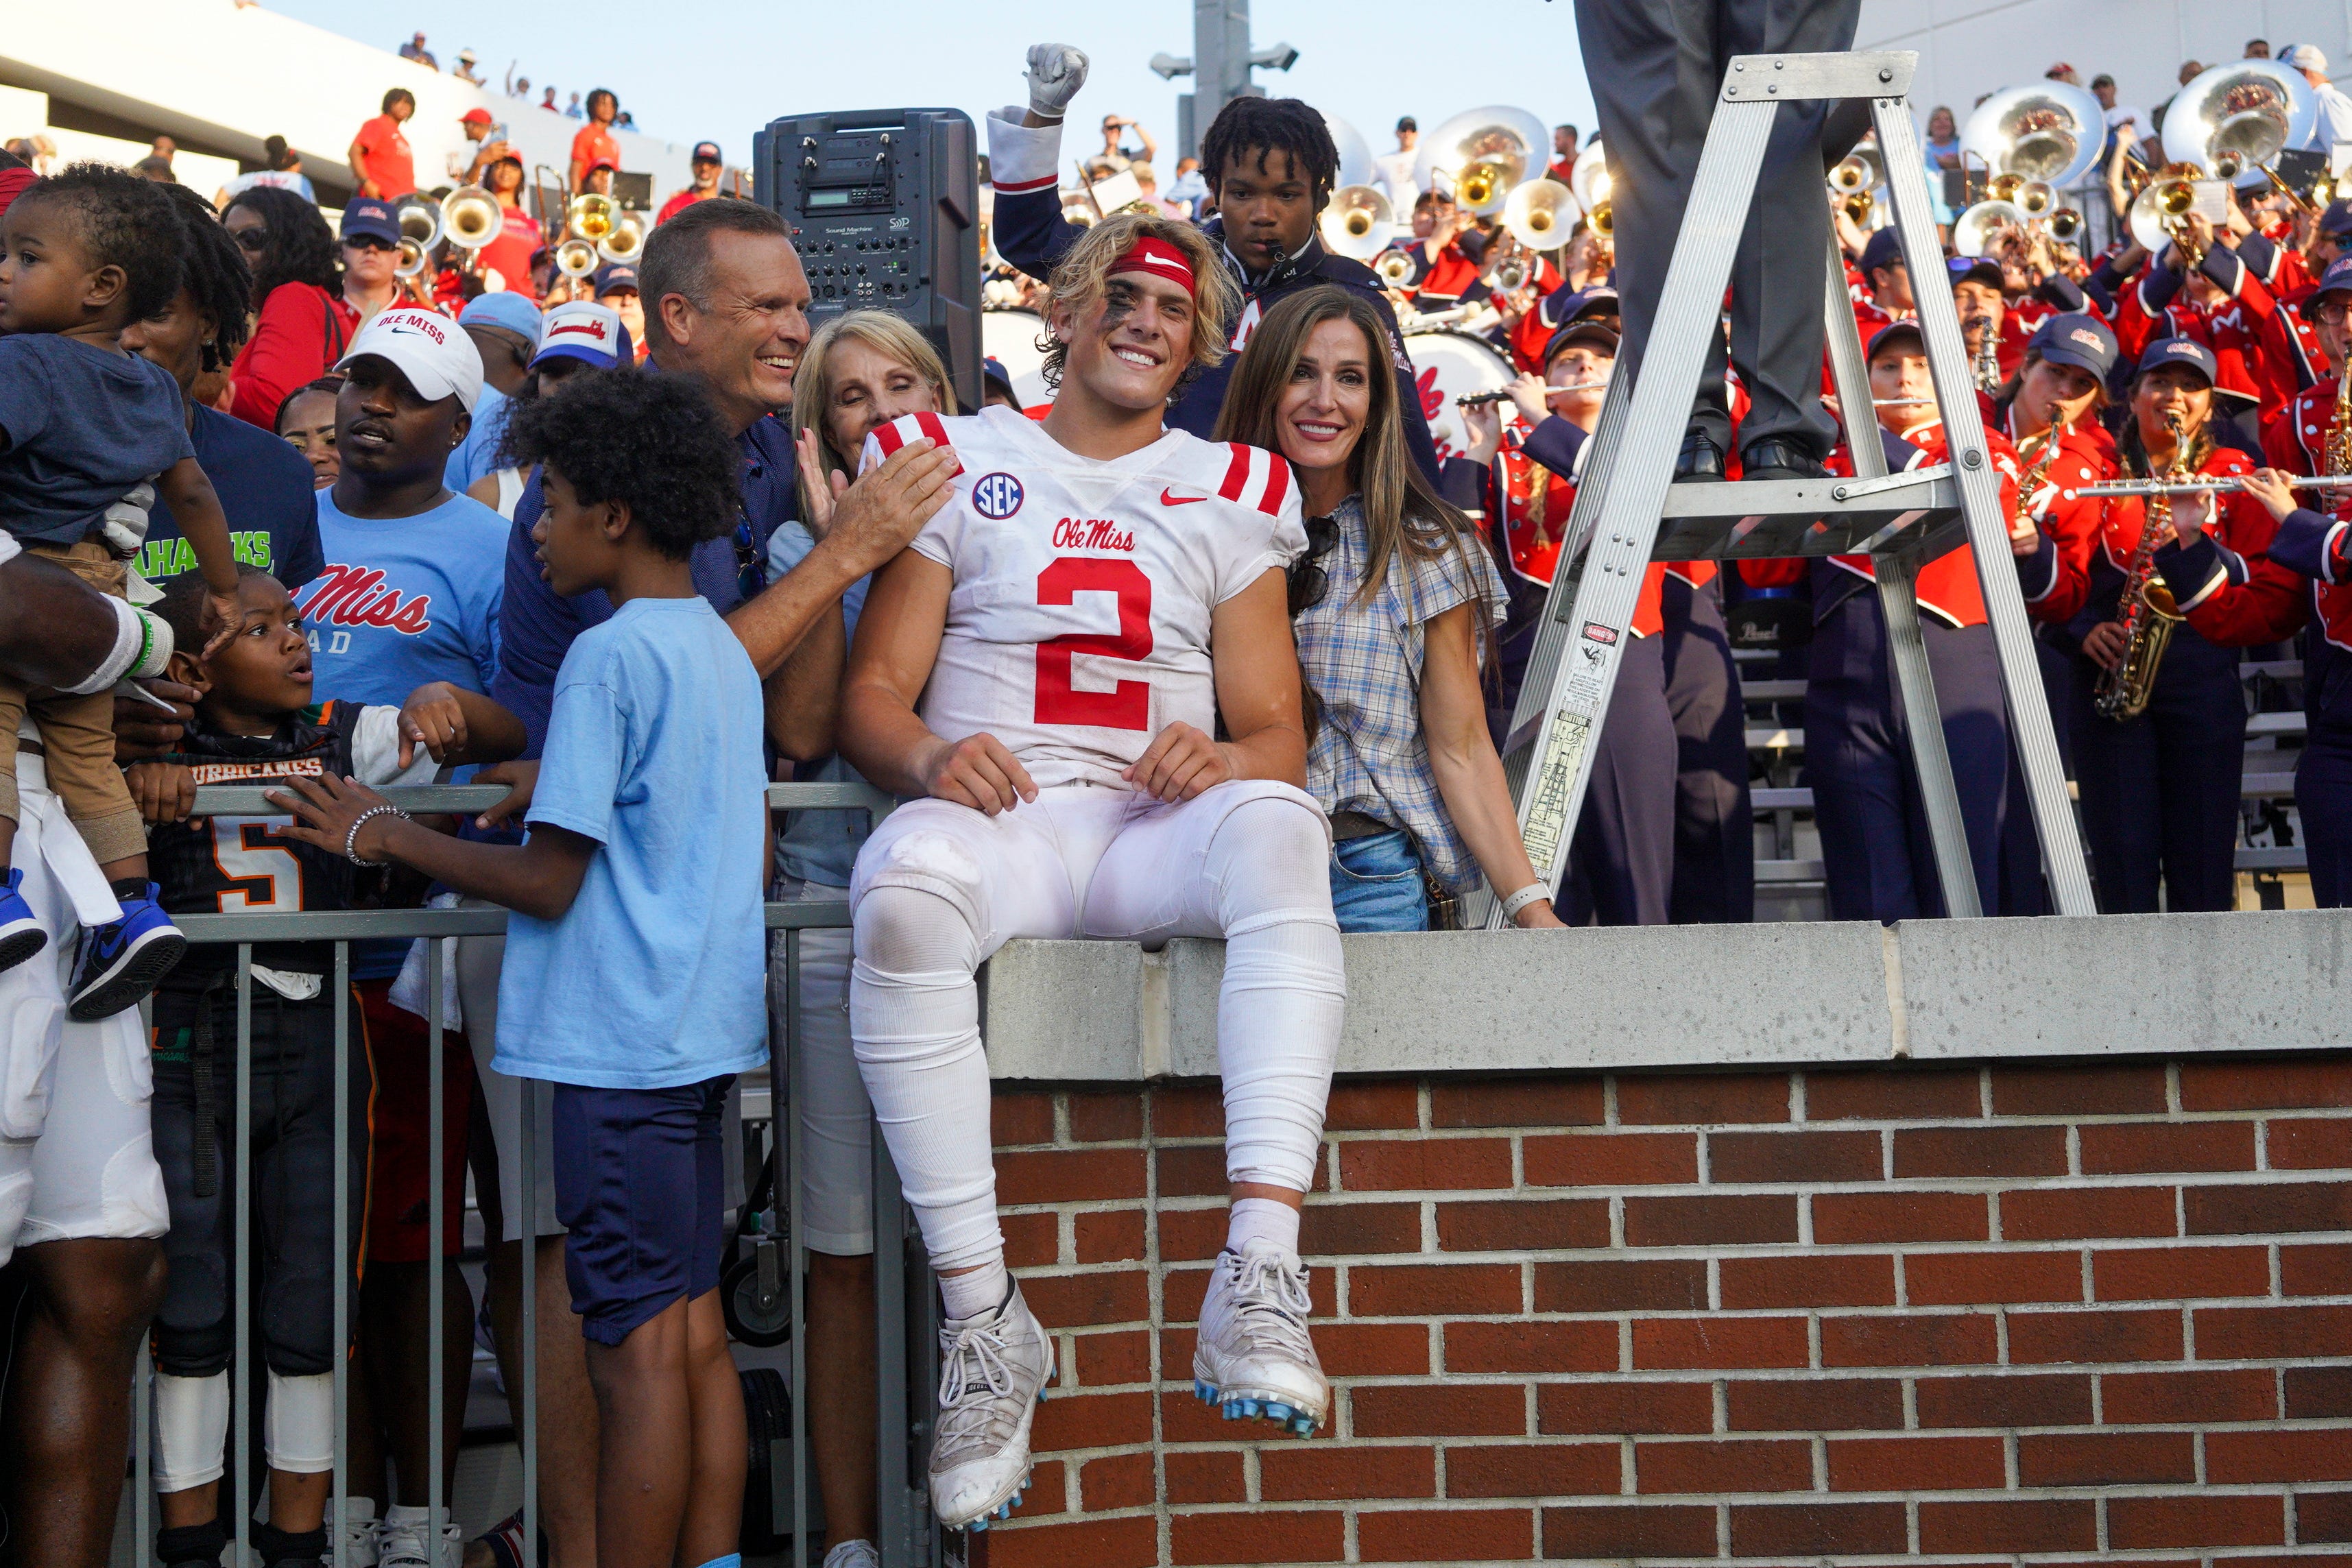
(635, 977)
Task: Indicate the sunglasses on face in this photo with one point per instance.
(253, 241)
(370, 242)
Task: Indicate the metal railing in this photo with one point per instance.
(903, 1289)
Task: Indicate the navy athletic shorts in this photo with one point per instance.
(640, 1183)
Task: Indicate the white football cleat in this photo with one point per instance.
(1254, 1357)
(994, 1370)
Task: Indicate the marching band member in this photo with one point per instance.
(2304, 580)
(1887, 278)
(1877, 856)
(2049, 411)
(2159, 790)
(1450, 257)
(2298, 438)
(1271, 167)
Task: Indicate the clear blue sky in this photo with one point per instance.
(688, 69)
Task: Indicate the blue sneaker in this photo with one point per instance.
(120, 961)
(21, 933)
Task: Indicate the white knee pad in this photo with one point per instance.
(298, 1426)
(191, 1430)
(925, 860)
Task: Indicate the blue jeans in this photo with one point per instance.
(1376, 884)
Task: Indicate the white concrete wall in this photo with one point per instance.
(213, 71)
(1968, 48)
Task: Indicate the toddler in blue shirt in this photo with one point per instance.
(634, 963)
(83, 424)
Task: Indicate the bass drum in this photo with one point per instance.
(1448, 365)
(1010, 337)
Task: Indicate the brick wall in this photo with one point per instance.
(2056, 1313)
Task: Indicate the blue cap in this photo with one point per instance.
(613, 275)
(2081, 340)
(1884, 249)
(1600, 334)
(583, 331)
(506, 309)
(1891, 330)
(2181, 352)
(1982, 268)
(372, 217)
(2335, 220)
(2337, 279)
(992, 369)
(1564, 307)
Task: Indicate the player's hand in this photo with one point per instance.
(824, 491)
(2104, 644)
(222, 616)
(1179, 763)
(1055, 73)
(523, 778)
(431, 718)
(979, 772)
(878, 516)
(324, 809)
(2269, 486)
(164, 791)
(142, 729)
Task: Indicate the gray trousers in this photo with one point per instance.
(1655, 67)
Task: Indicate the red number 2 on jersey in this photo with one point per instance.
(1128, 704)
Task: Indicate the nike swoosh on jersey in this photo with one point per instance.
(1169, 498)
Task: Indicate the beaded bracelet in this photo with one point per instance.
(351, 838)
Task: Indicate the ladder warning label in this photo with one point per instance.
(1546, 822)
(1596, 631)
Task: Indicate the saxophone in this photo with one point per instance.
(1986, 364)
(2149, 612)
(2340, 434)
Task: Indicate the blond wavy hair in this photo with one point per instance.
(888, 334)
(1083, 277)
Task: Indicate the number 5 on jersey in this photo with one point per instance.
(1128, 704)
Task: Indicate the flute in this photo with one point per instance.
(2200, 486)
(1474, 399)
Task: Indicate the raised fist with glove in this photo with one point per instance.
(1055, 73)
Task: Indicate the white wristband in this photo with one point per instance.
(1534, 892)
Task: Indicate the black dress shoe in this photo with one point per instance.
(1775, 458)
(1700, 457)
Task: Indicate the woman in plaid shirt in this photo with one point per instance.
(1394, 605)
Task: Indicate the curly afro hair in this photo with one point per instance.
(296, 246)
(214, 274)
(652, 443)
(122, 221)
(1247, 129)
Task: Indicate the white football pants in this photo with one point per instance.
(941, 886)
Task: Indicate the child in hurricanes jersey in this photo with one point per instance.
(258, 723)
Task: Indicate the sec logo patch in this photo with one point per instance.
(997, 497)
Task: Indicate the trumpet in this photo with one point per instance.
(471, 217)
(1394, 267)
(1538, 212)
(575, 257)
(1973, 230)
(1359, 222)
(2065, 225)
(1587, 177)
(1860, 170)
(625, 241)
(420, 221)
(413, 259)
(591, 217)
(2159, 214)
(1508, 275)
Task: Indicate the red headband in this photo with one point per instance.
(1157, 258)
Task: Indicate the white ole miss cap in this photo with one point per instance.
(433, 351)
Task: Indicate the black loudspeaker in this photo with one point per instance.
(885, 206)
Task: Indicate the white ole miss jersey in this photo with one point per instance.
(1078, 625)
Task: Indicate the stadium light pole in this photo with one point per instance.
(1220, 66)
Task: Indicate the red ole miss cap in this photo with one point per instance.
(1159, 259)
(476, 117)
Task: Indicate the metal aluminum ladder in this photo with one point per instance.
(1628, 510)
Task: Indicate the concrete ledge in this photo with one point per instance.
(1709, 996)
